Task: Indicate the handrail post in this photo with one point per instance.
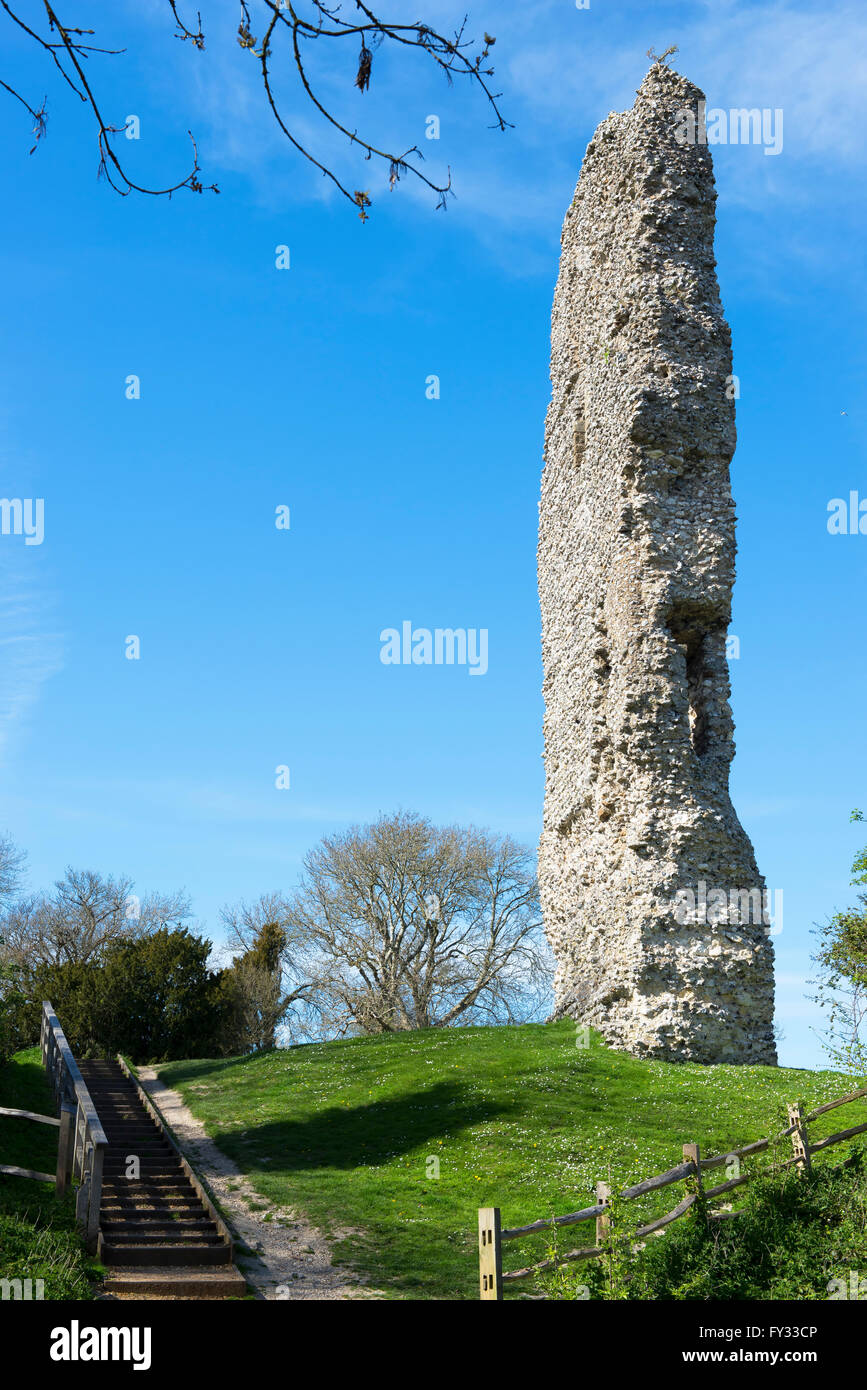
(64, 1146)
(94, 1197)
(490, 1255)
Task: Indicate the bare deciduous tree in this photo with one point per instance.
(82, 915)
(271, 30)
(11, 867)
(406, 925)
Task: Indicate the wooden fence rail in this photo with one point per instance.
(60, 1178)
(492, 1236)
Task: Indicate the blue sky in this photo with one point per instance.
(306, 387)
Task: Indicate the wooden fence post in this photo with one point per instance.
(692, 1154)
(603, 1222)
(490, 1254)
(800, 1139)
(64, 1147)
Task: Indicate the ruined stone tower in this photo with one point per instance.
(636, 566)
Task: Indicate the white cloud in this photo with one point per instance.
(29, 653)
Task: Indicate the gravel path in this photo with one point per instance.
(292, 1259)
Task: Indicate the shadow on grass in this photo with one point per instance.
(363, 1135)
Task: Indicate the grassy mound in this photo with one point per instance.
(391, 1143)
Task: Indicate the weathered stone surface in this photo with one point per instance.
(636, 566)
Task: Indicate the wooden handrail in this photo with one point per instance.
(77, 1085)
(83, 1140)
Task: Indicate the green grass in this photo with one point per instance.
(518, 1118)
(24, 1086)
(38, 1236)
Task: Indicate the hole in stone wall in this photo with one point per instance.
(692, 641)
(578, 439)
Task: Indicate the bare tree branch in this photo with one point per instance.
(81, 916)
(12, 860)
(303, 25)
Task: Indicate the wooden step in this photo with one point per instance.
(118, 1152)
(158, 1197)
(149, 1192)
(157, 1233)
(132, 1143)
(164, 1162)
(145, 1214)
(175, 1241)
(116, 1182)
(215, 1282)
(114, 1230)
(123, 1129)
(112, 1253)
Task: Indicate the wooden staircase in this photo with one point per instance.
(160, 1236)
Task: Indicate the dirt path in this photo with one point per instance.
(292, 1259)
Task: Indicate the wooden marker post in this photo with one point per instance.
(800, 1141)
(603, 1222)
(490, 1254)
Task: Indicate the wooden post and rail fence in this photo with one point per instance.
(492, 1236)
(81, 1139)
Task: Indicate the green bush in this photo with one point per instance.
(153, 999)
(795, 1236)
